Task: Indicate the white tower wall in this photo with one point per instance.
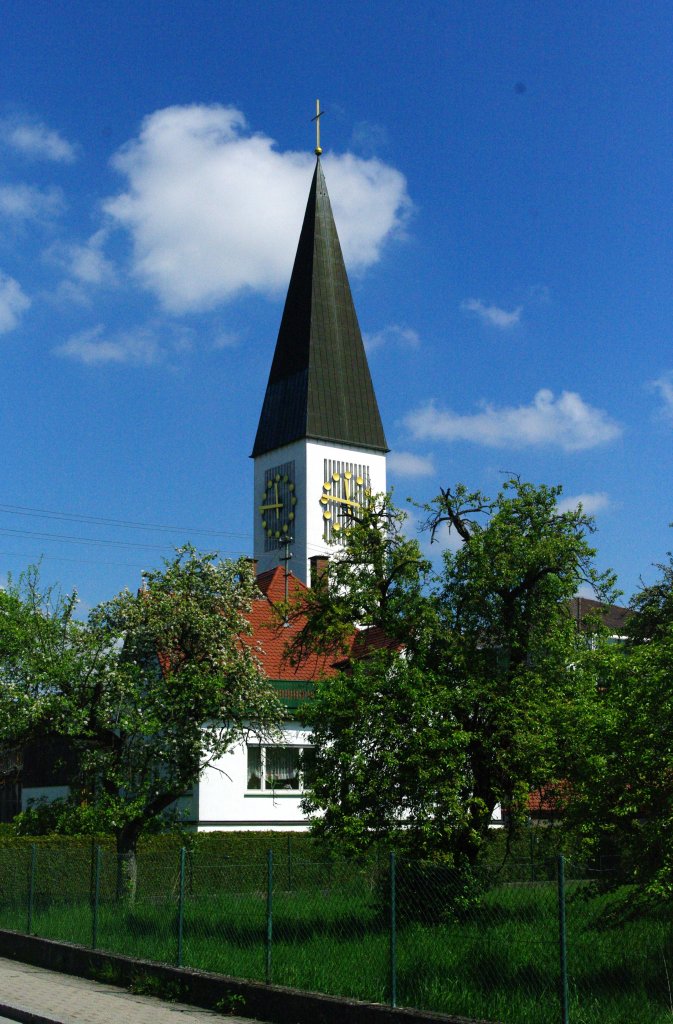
(311, 465)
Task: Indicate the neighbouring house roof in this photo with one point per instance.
(319, 385)
(614, 616)
(543, 801)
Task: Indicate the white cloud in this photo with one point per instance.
(664, 385)
(408, 464)
(214, 211)
(591, 502)
(405, 337)
(446, 539)
(89, 264)
(567, 422)
(149, 345)
(27, 202)
(35, 140)
(494, 316)
(70, 293)
(13, 302)
(85, 263)
(93, 348)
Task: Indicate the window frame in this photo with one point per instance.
(263, 789)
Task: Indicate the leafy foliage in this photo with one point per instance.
(378, 580)
(511, 649)
(390, 757)
(149, 691)
(653, 607)
(621, 798)
(458, 689)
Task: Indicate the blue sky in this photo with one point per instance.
(501, 175)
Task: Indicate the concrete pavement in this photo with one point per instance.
(37, 996)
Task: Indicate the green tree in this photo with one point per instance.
(652, 607)
(513, 650)
(620, 797)
(378, 580)
(464, 704)
(150, 691)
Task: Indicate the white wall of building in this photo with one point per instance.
(221, 799)
(226, 802)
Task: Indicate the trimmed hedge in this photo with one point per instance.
(66, 863)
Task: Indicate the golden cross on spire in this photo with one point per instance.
(318, 115)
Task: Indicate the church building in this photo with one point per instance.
(319, 448)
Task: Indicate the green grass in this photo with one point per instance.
(499, 961)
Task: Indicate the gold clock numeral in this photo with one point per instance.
(277, 508)
(340, 493)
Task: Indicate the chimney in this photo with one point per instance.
(319, 564)
(253, 563)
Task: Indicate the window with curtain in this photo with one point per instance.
(278, 768)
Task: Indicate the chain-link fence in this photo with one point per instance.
(535, 943)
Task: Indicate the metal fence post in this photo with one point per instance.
(393, 931)
(181, 904)
(269, 915)
(31, 886)
(563, 946)
(532, 850)
(96, 898)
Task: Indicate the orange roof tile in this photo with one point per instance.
(547, 799)
(366, 642)
(271, 637)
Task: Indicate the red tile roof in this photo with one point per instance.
(271, 637)
(366, 642)
(541, 801)
(548, 800)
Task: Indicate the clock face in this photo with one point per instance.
(343, 493)
(277, 507)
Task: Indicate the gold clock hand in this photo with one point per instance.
(342, 501)
(273, 506)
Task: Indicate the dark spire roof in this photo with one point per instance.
(319, 386)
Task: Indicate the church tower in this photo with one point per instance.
(320, 444)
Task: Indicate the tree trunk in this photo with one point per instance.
(466, 849)
(127, 864)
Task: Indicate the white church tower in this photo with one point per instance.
(320, 445)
